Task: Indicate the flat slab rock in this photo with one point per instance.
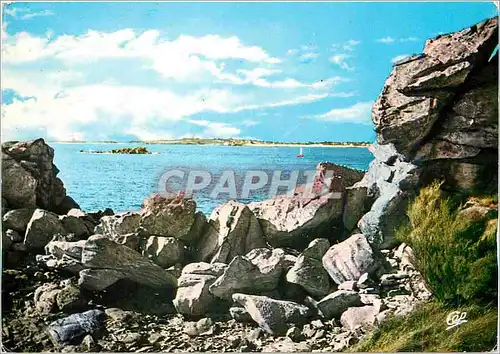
(257, 272)
(273, 315)
(107, 262)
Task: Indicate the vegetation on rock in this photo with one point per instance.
(454, 247)
(455, 251)
(424, 330)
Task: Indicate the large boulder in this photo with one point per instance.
(387, 213)
(18, 219)
(308, 271)
(333, 305)
(30, 177)
(256, 273)
(18, 185)
(273, 315)
(164, 251)
(351, 258)
(193, 297)
(335, 178)
(169, 217)
(41, 228)
(107, 262)
(232, 230)
(355, 317)
(112, 226)
(101, 262)
(80, 227)
(294, 221)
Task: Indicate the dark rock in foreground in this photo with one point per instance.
(71, 329)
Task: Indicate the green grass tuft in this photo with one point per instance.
(456, 255)
(424, 330)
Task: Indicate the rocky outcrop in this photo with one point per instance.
(17, 219)
(232, 230)
(385, 192)
(335, 178)
(440, 109)
(29, 177)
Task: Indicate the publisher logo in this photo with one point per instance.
(455, 318)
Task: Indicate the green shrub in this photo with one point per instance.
(455, 254)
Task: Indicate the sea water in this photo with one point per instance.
(121, 182)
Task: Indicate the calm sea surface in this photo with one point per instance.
(121, 182)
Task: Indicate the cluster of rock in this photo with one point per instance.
(249, 262)
(29, 178)
(127, 151)
(312, 273)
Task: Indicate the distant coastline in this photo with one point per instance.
(226, 142)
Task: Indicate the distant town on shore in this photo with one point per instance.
(231, 142)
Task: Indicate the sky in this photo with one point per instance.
(270, 71)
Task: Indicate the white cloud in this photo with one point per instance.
(257, 76)
(386, 40)
(249, 123)
(390, 40)
(184, 54)
(399, 57)
(25, 14)
(305, 53)
(216, 129)
(308, 57)
(340, 60)
(358, 113)
(37, 14)
(409, 39)
(290, 102)
(350, 45)
(64, 90)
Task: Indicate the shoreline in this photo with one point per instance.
(313, 145)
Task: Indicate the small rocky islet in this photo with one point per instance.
(277, 275)
(126, 151)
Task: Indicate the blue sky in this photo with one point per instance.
(271, 71)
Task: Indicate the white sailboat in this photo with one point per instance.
(301, 153)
